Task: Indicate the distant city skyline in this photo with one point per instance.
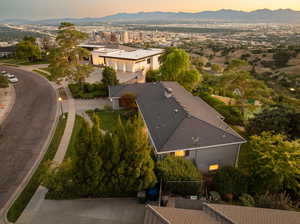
(43, 9)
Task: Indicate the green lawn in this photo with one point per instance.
(77, 126)
(46, 75)
(108, 118)
(46, 69)
(20, 204)
(14, 61)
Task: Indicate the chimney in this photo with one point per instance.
(168, 92)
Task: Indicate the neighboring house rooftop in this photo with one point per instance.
(252, 215)
(229, 214)
(129, 55)
(107, 46)
(176, 119)
(91, 45)
(8, 49)
(184, 216)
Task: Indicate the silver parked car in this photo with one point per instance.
(13, 79)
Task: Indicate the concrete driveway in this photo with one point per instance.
(84, 105)
(25, 131)
(90, 211)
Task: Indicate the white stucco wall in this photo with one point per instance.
(127, 65)
(155, 62)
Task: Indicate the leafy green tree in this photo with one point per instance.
(67, 59)
(109, 77)
(277, 118)
(28, 50)
(236, 64)
(190, 79)
(30, 39)
(273, 163)
(230, 180)
(163, 57)
(216, 68)
(247, 86)
(281, 58)
(198, 62)
(176, 66)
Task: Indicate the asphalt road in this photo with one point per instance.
(25, 130)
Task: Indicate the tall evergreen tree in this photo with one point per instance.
(88, 164)
(128, 158)
(67, 58)
(109, 77)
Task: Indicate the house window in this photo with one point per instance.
(148, 60)
(180, 153)
(213, 167)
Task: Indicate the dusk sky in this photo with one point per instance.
(41, 9)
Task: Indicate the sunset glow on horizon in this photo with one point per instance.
(35, 9)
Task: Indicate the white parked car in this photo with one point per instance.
(13, 80)
(10, 76)
(3, 72)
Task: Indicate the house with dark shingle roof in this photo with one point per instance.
(182, 124)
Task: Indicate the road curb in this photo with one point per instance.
(27, 178)
(11, 103)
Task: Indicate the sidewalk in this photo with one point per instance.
(64, 143)
(7, 100)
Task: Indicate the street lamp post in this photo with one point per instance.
(61, 106)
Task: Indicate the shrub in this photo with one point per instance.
(178, 170)
(275, 201)
(3, 82)
(153, 76)
(127, 101)
(247, 200)
(230, 180)
(87, 90)
(215, 196)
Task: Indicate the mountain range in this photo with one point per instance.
(224, 15)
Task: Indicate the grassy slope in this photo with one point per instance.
(46, 75)
(77, 126)
(20, 204)
(108, 118)
(14, 61)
